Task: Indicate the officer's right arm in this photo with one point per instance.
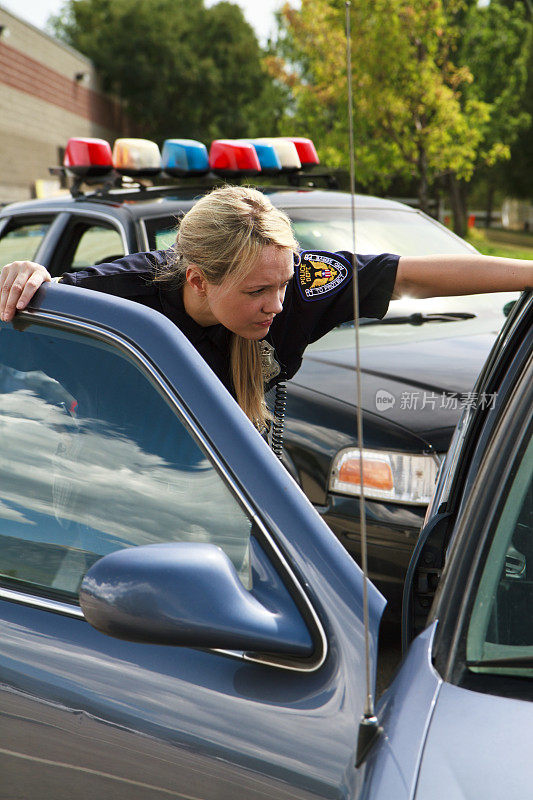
(18, 283)
(130, 276)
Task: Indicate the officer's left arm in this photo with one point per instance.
(442, 275)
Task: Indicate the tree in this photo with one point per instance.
(495, 43)
(180, 68)
(410, 120)
(517, 178)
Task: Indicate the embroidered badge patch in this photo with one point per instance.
(321, 273)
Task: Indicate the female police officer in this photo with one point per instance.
(228, 284)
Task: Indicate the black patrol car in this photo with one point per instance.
(419, 363)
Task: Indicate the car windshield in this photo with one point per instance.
(377, 230)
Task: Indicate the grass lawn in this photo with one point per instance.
(495, 242)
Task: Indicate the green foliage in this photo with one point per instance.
(516, 179)
(180, 68)
(409, 120)
(495, 44)
(438, 84)
(494, 41)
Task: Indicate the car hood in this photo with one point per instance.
(478, 745)
(419, 385)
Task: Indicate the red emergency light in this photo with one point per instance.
(85, 157)
(233, 157)
(305, 149)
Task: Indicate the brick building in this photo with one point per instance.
(48, 92)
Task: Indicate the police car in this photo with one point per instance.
(419, 363)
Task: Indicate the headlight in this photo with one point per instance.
(395, 477)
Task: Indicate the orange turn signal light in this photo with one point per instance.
(376, 474)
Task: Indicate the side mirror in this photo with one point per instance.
(188, 594)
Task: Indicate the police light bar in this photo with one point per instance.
(230, 157)
(85, 157)
(136, 157)
(184, 157)
(285, 150)
(305, 149)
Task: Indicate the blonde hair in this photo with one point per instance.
(224, 234)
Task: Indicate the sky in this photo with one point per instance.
(259, 13)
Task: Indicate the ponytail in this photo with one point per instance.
(247, 376)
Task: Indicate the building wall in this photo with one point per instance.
(42, 105)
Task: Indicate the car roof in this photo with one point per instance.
(155, 201)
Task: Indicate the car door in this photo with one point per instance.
(484, 641)
(115, 434)
(458, 716)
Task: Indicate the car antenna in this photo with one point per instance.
(369, 728)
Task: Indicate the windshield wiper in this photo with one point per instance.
(510, 661)
(420, 319)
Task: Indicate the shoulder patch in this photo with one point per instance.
(320, 273)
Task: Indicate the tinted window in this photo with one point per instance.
(501, 623)
(21, 242)
(94, 459)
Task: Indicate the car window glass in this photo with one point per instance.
(21, 242)
(377, 231)
(94, 459)
(161, 232)
(501, 623)
(97, 243)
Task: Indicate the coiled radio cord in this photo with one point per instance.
(280, 404)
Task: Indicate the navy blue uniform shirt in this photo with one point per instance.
(319, 297)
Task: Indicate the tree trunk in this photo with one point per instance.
(423, 189)
(458, 204)
(490, 206)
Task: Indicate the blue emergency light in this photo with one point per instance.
(183, 157)
(285, 150)
(268, 158)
